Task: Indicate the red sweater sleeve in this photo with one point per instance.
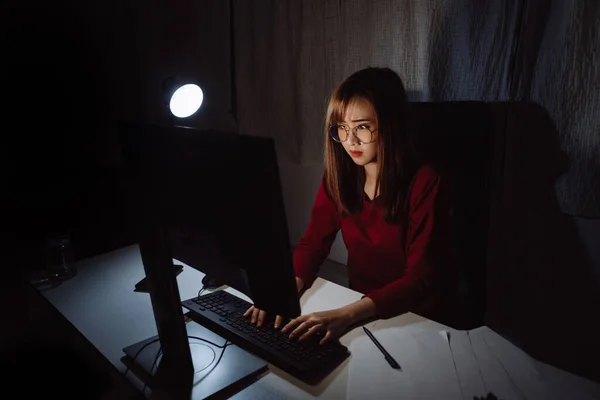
(315, 245)
(427, 231)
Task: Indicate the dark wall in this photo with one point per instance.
(70, 70)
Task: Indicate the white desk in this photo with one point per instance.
(101, 304)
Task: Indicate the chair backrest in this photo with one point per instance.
(462, 138)
(543, 289)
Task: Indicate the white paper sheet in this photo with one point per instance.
(495, 378)
(455, 365)
(520, 367)
(528, 374)
(467, 369)
(427, 366)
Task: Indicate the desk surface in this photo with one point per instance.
(101, 304)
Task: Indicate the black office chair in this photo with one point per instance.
(463, 138)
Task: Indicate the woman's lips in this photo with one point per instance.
(356, 153)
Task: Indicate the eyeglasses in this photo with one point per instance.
(341, 133)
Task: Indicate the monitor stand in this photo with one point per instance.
(188, 364)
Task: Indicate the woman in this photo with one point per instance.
(391, 207)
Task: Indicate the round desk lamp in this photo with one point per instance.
(186, 100)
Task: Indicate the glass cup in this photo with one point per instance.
(60, 262)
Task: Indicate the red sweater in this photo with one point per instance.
(399, 266)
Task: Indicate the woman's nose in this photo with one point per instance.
(352, 139)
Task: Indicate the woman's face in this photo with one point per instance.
(361, 115)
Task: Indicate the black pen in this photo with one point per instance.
(387, 355)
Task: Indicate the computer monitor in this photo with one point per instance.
(212, 200)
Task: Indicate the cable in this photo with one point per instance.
(154, 365)
(138, 353)
(227, 344)
(200, 291)
(222, 347)
(158, 353)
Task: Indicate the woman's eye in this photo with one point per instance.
(363, 127)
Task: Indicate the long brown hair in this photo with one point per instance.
(344, 180)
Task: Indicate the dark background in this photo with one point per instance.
(70, 70)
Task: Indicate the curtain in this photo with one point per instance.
(564, 78)
(290, 54)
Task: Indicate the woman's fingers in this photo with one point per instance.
(292, 324)
(304, 327)
(278, 321)
(327, 338)
(249, 311)
(310, 331)
(300, 329)
(255, 313)
(261, 318)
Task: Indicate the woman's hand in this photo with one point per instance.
(331, 323)
(259, 316)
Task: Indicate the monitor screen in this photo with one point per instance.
(216, 197)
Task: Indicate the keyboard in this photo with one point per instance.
(307, 360)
